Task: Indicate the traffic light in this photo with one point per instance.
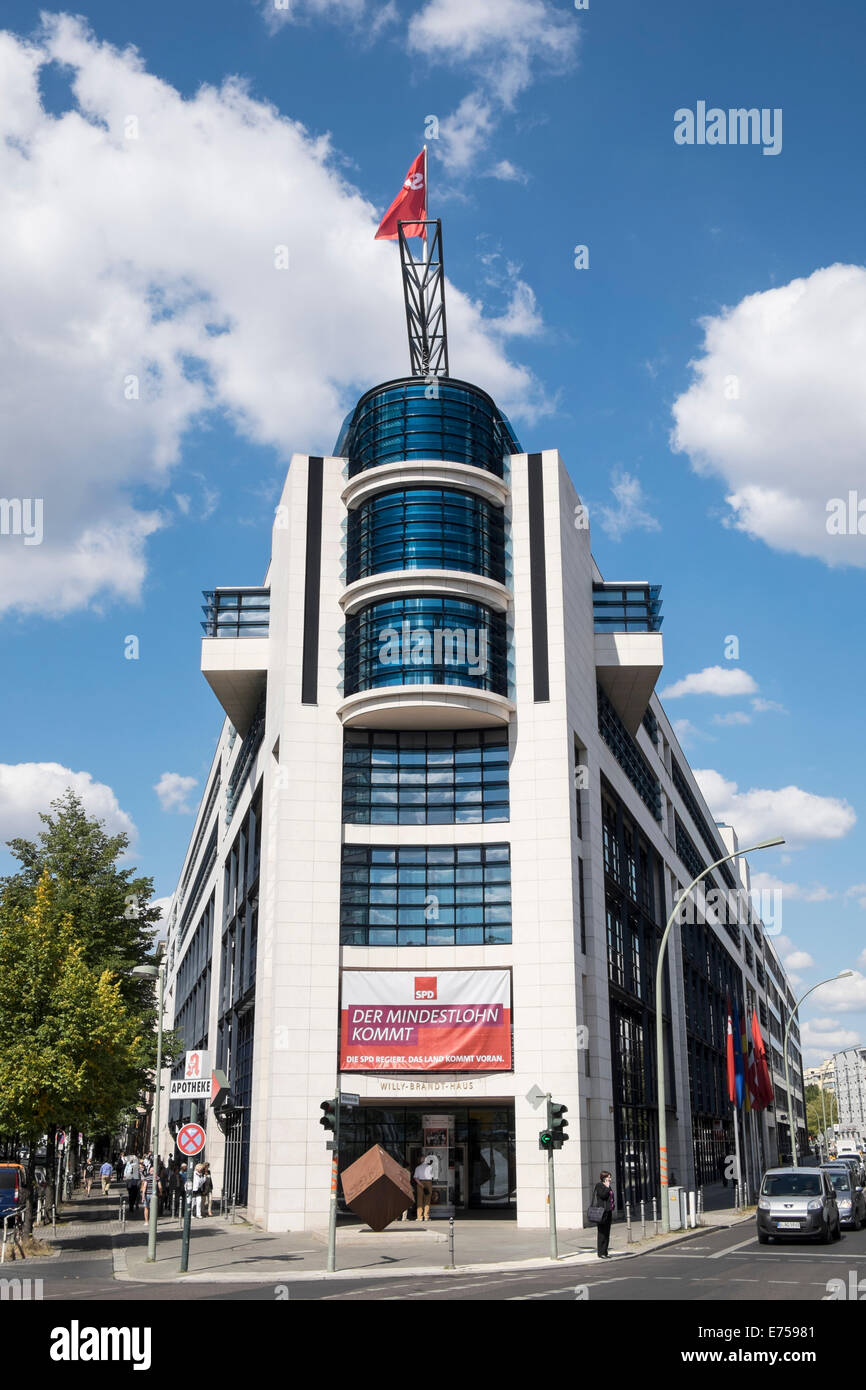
(545, 1140)
(556, 1125)
(329, 1115)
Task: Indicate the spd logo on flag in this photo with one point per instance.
(425, 986)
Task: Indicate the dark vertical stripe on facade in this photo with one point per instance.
(312, 584)
(538, 580)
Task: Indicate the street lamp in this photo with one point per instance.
(843, 975)
(154, 972)
(660, 1066)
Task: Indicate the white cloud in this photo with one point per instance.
(630, 513)
(164, 905)
(736, 716)
(501, 39)
(845, 996)
(686, 732)
(820, 1042)
(861, 959)
(760, 813)
(810, 893)
(521, 318)
(761, 706)
(279, 12)
(170, 226)
(26, 789)
(508, 172)
(777, 410)
(173, 790)
(712, 680)
(858, 891)
(466, 133)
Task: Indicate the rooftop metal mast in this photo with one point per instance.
(424, 294)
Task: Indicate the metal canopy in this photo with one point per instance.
(424, 293)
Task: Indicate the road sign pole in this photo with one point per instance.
(187, 1215)
(332, 1213)
(190, 1142)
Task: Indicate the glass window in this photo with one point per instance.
(430, 897)
(437, 778)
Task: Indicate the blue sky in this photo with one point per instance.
(702, 377)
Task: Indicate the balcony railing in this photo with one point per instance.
(627, 607)
(236, 612)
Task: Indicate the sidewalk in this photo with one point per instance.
(222, 1252)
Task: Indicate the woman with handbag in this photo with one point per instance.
(601, 1212)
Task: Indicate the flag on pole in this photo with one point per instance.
(739, 1065)
(732, 1071)
(410, 202)
(744, 1047)
(765, 1085)
(754, 1092)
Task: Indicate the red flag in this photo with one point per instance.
(410, 202)
(765, 1085)
(744, 1048)
(732, 1070)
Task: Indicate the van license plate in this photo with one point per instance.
(788, 1225)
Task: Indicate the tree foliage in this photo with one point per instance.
(77, 1035)
(70, 1048)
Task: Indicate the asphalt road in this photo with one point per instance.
(715, 1266)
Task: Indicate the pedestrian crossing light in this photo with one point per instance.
(329, 1115)
(556, 1124)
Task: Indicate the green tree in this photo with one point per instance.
(70, 877)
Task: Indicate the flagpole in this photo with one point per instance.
(737, 1155)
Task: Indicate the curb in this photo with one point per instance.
(293, 1274)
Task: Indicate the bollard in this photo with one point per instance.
(655, 1215)
(3, 1248)
(54, 1218)
(692, 1210)
(643, 1220)
(451, 1241)
(628, 1223)
(700, 1206)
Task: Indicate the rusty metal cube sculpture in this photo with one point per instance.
(377, 1189)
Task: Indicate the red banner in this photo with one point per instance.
(445, 1020)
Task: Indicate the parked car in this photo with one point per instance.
(797, 1202)
(13, 1188)
(850, 1197)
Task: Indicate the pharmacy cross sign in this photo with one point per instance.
(190, 1140)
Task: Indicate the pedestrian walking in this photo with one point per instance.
(179, 1196)
(150, 1190)
(88, 1177)
(164, 1170)
(106, 1173)
(132, 1178)
(207, 1189)
(425, 1174)
(603, 1197)
(197, 1184)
